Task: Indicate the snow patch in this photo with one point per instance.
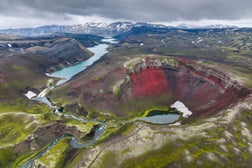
(30, 94)
(200, 40)
(48, 74)
(182, 108)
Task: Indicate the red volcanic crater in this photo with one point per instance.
(150, 82)
(202, 89)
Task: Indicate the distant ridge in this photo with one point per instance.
(102, 29)
(87, 28)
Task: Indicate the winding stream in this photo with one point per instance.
(66, 74)
(29, 163)
(98, 132)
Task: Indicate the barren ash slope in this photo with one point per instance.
(126, 83)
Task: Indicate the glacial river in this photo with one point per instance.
(65, 75)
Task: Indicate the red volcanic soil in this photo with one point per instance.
(149, 82)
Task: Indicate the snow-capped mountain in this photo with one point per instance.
(214, 26)
(87, 28)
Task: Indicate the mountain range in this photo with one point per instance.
(103, 29)
(87, 28)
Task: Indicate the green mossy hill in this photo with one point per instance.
(6, 157)
(224, 147)
(151, 61)
(14, 128)
(26, 106)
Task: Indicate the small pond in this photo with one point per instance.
(160, 117)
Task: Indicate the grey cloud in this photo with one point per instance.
(136, 10)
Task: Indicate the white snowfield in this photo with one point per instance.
(182, 108)
(30, 94)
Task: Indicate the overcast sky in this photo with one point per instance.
(32, 13)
